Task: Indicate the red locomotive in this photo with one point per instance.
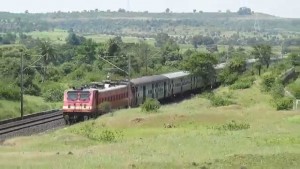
(88, 101)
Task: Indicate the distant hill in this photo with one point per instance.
(144, 23)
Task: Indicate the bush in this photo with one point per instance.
(33, 89)
(53, 92)
(9, 92)
(277, 91)
(243, 83)
(151, 105)
(228, 78)
(234, 126)
(268, 81)
(284, 103)
(92, 132)
(105, 107)
(220, 101)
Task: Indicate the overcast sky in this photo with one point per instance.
(283, 8)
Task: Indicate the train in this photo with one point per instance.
(88, 101)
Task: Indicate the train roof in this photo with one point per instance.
(176, 74)
(148, 79)
(101, 86)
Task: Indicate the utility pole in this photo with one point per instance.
(22, 89)
(129, 83)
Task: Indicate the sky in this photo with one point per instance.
(282, 8)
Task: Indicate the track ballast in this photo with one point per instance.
(31, 124)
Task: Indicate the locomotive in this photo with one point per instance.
(85, 102)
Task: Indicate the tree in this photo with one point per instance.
(197, 40)
(170, 53)
(87, 52)
(263, 54)
(121, 10)
(168, 10)
(235, 67)
(48, 55)
(244, 11)
(143, 54)
(114, 46)
(201, 64)
(194, 10)
(74, 39)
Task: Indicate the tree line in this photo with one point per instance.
(50, 67)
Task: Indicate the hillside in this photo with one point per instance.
(190, 134)
(143, 23)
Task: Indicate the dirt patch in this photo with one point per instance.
(137, 120)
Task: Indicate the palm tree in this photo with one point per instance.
(48, 53)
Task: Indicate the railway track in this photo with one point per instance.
(31, 124)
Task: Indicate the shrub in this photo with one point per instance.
(243, 83)
(227, 77)
(105, 107)
(9, 92)
(284, 103)
(234, 126)
(151, 105)
(220, 101)
(53, 92)
(277, 91)
(90, 131)
(268, 81)
(33, 89)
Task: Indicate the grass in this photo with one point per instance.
(101, 38)
(32, 104)
(248, 134)
(57, 36)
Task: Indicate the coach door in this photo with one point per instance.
(96, 101)
(165, 89)
(144, 93)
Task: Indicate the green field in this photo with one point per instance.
(32, 104)
(197, 136)
(57, 36)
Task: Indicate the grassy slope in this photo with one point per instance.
(273, 140)
(32, 104)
